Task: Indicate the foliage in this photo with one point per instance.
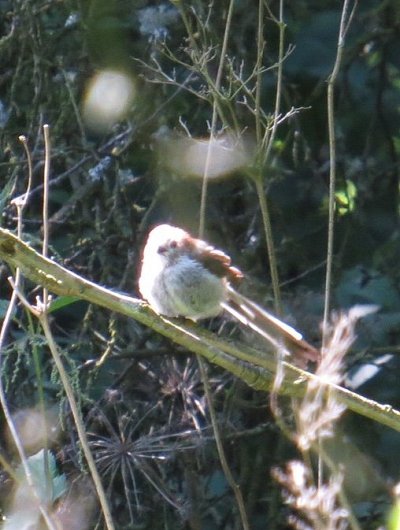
(144, 407)
(48, 484)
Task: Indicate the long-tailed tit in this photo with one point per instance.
(182, 276)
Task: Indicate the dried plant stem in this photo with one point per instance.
(265, 144)
(259, 62)
(7, 414)
(20, 203)
(273, 267)
(42, 314)
(77, 419)
(270, 134)
(344, 25)
(214, 87)
(202, 220)
(217, 87)
(46, 175)
(220, 448)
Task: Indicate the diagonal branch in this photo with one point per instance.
(256, 368)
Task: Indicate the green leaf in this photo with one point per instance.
(61, 302)
(346, 198)
(48, 483)
(5, 195)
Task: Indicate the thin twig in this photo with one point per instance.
(344, 26)
(203, 200)
(20, 203)
(270, 137)
(267, 142)
(78, 420)
(42, 315)
(220, 448)
(259, 69)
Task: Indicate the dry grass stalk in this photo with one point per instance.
(321, 506)
(319, 409)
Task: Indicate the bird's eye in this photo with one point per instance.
(162, 249)
(173, 244)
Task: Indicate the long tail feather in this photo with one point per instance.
(279, 334)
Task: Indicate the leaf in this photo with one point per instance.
(346, 198)
(61, 302)
(49, 486)
(42, 471)
(5, 195)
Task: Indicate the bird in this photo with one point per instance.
(183, 276)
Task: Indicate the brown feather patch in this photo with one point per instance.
(213, 259)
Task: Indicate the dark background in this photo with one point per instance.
(144, 408)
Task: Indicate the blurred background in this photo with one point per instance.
(128, 89)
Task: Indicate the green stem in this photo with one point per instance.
(273, 267)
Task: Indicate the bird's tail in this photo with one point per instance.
(279, 334)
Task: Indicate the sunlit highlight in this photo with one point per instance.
(107, 100)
